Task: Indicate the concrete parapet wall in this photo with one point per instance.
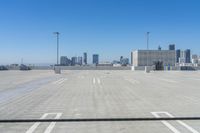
(173, 68)
(93, 68)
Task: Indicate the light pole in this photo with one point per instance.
(148, 40)
(57, 35)
(147, 47)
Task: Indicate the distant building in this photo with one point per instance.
(178, 55)
(116, 62)
(74, 61)
(64, 61)
(159, 48)
(131, 57)
(106, 63)
(79, 61)
(194, 56)
(150, 57)
(124, 61)
(3, 67)
(187, 56)
(172, 47)
(85, 58)
(95, 59)
(182, 58)
(195, 59)
(121, 58)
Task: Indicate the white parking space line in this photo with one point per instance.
(183, 124)
(94, 80)
(167, 124)
(99, 81)
(167, 80)
(188, 127)
(52, 124)
(35, 125)
(49, 128)
(60, 81)
(173, 129)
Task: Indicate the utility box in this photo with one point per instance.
(147, 69)
(57, 70)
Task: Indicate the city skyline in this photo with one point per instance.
(109, 28)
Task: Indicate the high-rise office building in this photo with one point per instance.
(85, 58)
(121, 58)
(64, 61)
(182, 57)
(172, 47)
(187, 56)
(195, 59)
(74, 61)
(131, 58)
(95, 59)
(159, 47)
(124, 61)
(141, 58)
(178, 55)
(194, 56)
(79, 62)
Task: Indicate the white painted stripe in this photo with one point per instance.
(94, 81)
(58, 81)
(52, 124)
(183, 124)
(32, 128)
(49, 128)
(180, 122)
(167, 80)
(62, 81)
(35, 125)
(188, 127)
(98, 80)
(173, 129)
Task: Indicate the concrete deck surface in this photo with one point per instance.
(99, 94)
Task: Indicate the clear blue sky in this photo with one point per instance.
(110, 28)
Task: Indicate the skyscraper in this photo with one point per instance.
(178, 55)
(195, 59)
(187, 56)
(79, 62)
(95, 59)
(124, 61)
(85, 58)
(182, 58)
(64, 61)
(159, 47)
(121, 58)
(74, 61)
(172, 47)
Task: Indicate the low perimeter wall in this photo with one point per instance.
(176, 68)
(92, 68)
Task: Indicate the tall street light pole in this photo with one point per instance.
(147, 47)
(57, 35)
(148, 40)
